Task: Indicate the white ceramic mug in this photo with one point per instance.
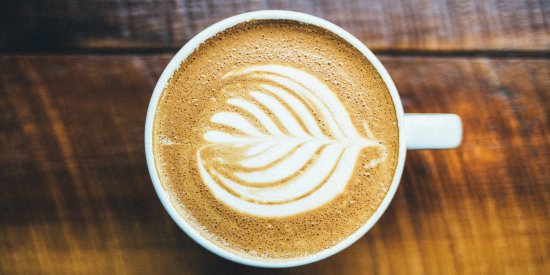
(416, 131)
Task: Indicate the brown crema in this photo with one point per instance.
(197, 91)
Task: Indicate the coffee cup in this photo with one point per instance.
(415, 131)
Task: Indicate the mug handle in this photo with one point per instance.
(433, 131)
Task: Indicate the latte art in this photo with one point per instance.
(271, 157)
(275, 139)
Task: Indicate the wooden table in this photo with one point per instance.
(76, 78)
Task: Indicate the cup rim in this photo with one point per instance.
(194, 43)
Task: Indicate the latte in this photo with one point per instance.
(276, 139)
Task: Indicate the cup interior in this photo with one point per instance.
(173, 65)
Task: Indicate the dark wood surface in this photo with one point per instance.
(415, 25)
(76, 197)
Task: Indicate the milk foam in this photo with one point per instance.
(290, 164)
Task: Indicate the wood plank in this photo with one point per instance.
(382, 25)
(76, 196)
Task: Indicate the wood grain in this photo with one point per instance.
(75, 195)
(383, 25)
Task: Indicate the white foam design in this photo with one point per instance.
(276, 160)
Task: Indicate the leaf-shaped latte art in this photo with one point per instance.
(288, 146)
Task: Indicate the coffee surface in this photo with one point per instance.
(276, 139)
